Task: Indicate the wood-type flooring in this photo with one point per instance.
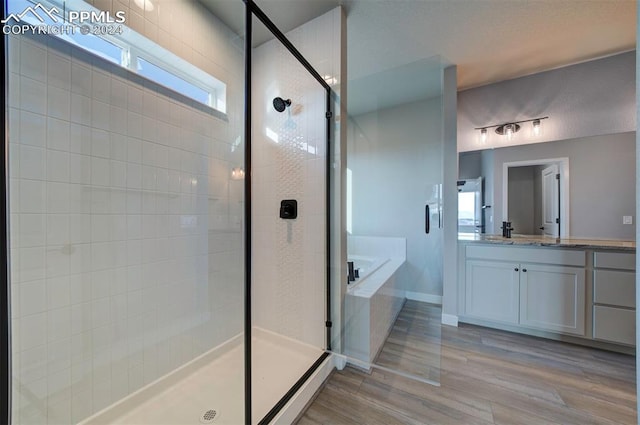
(487, 376)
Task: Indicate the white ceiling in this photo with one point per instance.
(489, 40)
(403, 84)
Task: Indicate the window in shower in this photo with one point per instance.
(136, 53)
(167, 79)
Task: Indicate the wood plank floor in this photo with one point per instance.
(413, 345)
(487, 377)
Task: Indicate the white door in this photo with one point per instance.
(551, 201)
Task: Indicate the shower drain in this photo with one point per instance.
(209, 416)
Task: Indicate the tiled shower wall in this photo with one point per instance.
(126, 227)
(289, 159)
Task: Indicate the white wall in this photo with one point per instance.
(289, 256)
(126, 231)
(587, 99)
(602, 183)
(396, 157)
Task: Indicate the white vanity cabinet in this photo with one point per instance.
(549, 291)
(614, 297)
(530, 287)
(547, 297)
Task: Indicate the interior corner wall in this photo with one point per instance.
(395, 156)
(602, 182)
(338, 185)
(289, 162)
(587, 99)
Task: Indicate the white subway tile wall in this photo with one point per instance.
(289, 160)
(126, 227)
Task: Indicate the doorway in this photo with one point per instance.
(536, 196)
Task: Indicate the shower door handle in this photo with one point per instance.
(427, 219)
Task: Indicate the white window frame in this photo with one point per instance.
(135, 46)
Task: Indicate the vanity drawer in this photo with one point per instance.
(616, 288)
(614, 324)
(615, 260)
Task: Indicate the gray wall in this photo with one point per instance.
(602, 182)
(469, 165)
(522, 199)
(395, 156)
(537, 199)
(586, 99)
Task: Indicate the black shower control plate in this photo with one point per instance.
(288, 209)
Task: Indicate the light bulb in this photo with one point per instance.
(483, 135)
(237, 173)
(508, 129)
(536, 127)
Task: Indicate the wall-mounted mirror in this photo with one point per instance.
(581, 188)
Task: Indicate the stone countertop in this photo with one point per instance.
(537, 240)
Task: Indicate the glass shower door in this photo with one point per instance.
(394, 220)
(126, 213)
(289, 263)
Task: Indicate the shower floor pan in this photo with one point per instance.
(210, 389)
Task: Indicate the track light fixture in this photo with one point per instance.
(510, 128)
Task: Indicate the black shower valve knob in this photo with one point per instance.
(288, 209)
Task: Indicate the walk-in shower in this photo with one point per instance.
(151, 278)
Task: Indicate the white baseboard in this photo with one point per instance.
(359, 363)
(425, 298)
(296, 405)
(340, 361)
(450, 319)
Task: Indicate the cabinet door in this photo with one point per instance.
(553, 298)
(492, 291)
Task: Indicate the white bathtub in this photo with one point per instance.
(373, 301)
(366, 266)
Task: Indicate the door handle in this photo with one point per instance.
(541, 228)
(427, 219)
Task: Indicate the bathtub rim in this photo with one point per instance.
(378, 262)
